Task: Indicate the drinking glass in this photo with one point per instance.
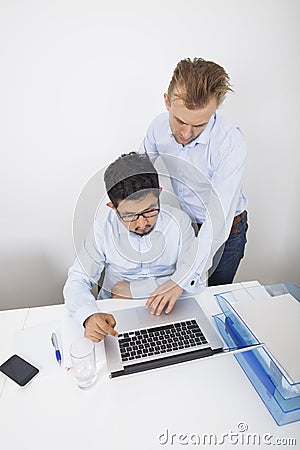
(83, 358)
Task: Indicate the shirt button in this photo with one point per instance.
(192, 282)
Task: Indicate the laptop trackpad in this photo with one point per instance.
(147, 319)
(140, 317)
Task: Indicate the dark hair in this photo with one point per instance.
(199, 81)
(130, 175)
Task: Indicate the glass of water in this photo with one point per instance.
(83, 358)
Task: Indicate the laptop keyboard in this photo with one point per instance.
(160, 340)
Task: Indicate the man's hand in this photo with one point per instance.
(121, 290)
(99, 325)
(166, 294)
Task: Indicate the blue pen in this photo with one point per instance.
(55, 345)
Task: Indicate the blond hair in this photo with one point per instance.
(196, 81)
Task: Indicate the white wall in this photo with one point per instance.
(81, 80)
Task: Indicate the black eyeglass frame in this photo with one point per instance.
(134, 217)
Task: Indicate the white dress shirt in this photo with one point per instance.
(167, 252)
(206, 176)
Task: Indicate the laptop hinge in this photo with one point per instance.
(162, 362)
(117, 374)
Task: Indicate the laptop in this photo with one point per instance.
(148, 341)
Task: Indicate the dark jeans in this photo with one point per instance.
(228, 257)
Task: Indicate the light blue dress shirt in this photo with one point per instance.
(167, 252)
(206, 176)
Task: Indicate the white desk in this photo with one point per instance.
(209, 396)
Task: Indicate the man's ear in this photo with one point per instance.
(111, 205)
(160, 189)
(167, 101)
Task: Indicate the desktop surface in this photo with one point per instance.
(186, 405)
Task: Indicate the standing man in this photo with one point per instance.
(205, 158)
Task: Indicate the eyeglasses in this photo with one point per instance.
(134, 217)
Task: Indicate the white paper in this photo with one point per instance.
(34, 344)
(276, 322)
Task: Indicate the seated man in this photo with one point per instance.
(140, 243)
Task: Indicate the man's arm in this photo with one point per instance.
(226, 188)
(121, 290)
(148, 145)
(165, 296)
(137, 289)
(82, 276)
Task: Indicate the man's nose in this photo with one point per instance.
(141, 222)
(186, 131)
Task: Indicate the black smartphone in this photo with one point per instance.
(19, 370)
